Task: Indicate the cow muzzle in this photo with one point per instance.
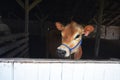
(65, 51)
(61, 53)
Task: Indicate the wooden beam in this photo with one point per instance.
(24, 52)
(116, 23)
(26, 15)
(16, 51)
(111, 11)
(95, 21)
(41, 19)
(38, 17)
(100, 18)
(113, 20)
(12, 45)
(27, 8)
(34, 4)
(114, 6)
(20, 3)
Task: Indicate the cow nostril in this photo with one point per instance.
(61, 52)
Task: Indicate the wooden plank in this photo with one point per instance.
(16, 51)
(67, 71)
(93, 71)
(44, 71)
(36, 69)
(55, 71)
(78, 72)
(113, 20)
(6, 71)
(10, 46)
(23, 53)
(26, 71)
(112, 72)
(12, 37)
(37, 60)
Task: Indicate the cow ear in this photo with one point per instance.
(59, 26)
(88, 29)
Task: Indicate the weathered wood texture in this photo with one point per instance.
(40, 69)
(13, 45)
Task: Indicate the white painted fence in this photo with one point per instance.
(40, 69)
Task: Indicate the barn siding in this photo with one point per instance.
(111, 32)
(59, 70)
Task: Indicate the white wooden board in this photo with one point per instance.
(6, 71)
(53, 70)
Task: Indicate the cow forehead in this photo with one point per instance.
(71, 29)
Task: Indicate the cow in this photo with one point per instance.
(67, 39)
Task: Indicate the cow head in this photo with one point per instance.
(71, 37)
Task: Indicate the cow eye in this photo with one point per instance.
(77, 36)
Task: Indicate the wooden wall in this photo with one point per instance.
(110, 32)
(14, 45)
(40, 69)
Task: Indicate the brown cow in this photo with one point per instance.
(69, 45)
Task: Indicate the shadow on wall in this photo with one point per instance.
(108, 49)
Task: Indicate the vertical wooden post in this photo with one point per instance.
(100, 18)
(27, 8)
(26, 15)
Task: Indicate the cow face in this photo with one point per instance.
(71, 37)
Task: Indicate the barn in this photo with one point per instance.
(26, 24)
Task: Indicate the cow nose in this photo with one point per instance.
(61, 53)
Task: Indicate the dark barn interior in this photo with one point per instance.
(37, 20)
